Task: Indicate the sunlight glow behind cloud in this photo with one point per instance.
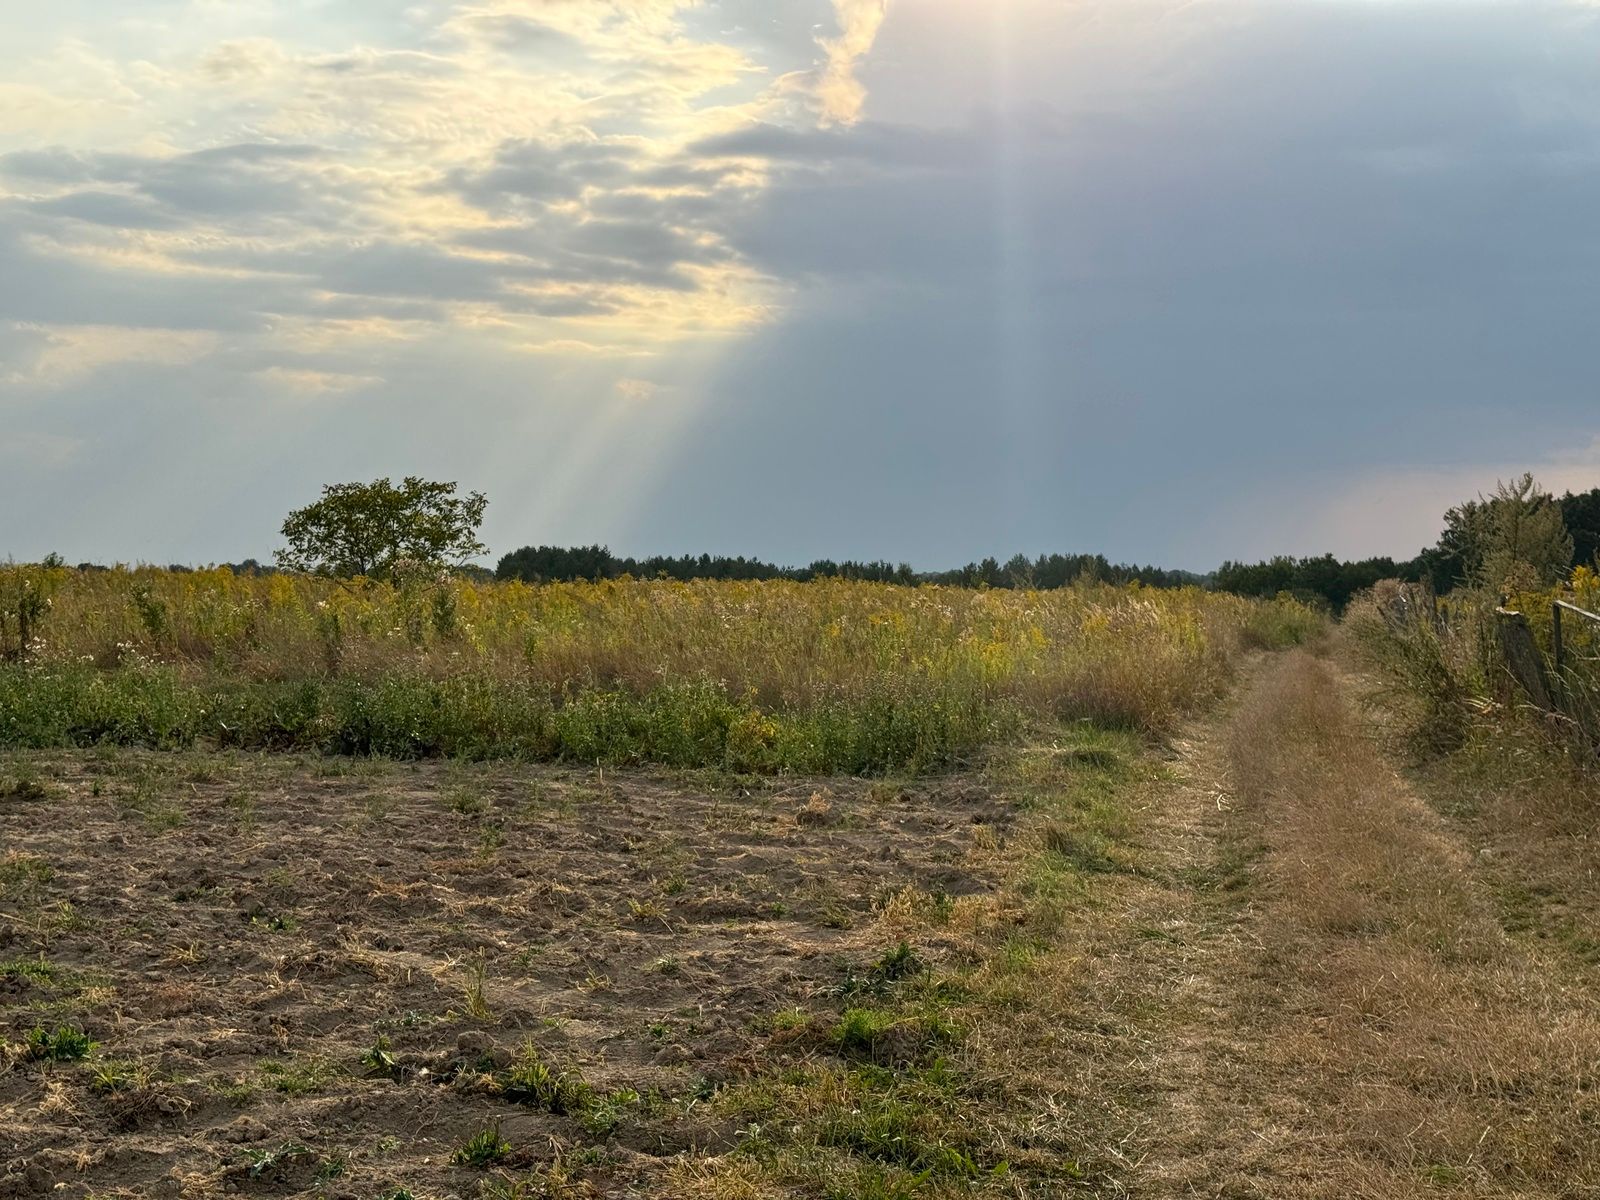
(840, 92)
(507, 170)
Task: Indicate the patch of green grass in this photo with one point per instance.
(533, 1083)
(895, 967)
(241, 1093)
(32, 970)
(482, 1150)
(892, 1036)
(298, 1076)
(1230, 874)
(860, 1132)
(860, 1028)
(24, 785)
(910, 726)
(604, 1114)
(889, 1129)
(113, 1075)
(788, 1018)
(491, 837)
(466, 800)
(1081, 850)
(23, 876)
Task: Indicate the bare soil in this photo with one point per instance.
(244, 930)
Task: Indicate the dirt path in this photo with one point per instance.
(1314, 992)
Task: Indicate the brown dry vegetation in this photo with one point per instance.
(1400, 1042)
(1251, 961)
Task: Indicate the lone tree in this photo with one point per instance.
(1511, 540)
(376, 529)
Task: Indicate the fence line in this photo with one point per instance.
(1557, 645)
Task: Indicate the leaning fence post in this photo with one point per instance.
(1522, 656)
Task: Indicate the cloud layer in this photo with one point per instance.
(795, 277)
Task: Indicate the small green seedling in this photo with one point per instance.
(482, 1150)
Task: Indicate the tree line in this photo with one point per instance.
(555, 564)
(1517, 536)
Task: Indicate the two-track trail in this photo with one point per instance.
(1310, 988)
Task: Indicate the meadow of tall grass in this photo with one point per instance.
(818, 676)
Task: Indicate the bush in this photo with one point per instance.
(1433, 667)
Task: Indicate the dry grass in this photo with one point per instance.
(1421, 1049)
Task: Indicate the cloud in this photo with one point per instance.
(1064, 246)
(529, 173)
(49, 357)
(637, 390)
(306, 382)
(113, 209)
(840, 93)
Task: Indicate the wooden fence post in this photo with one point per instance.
(1557, 651)
(1522, 656)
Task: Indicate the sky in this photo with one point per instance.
(923, 280)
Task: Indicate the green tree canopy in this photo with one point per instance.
(375, 529)
(1520, 537)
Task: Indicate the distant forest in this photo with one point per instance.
(535, 564)
(1324, 580)
(1449, 562)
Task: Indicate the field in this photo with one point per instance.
(305, 973)
(1172, 914)
(817, 677)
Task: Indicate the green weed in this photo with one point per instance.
(482, 1150)
(531, 1082)
(64, 1044)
